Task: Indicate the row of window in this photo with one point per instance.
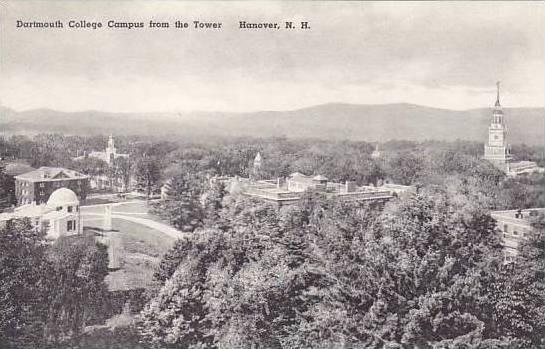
(524, 232)
(42, 184)
(57, 184)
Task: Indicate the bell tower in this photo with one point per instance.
(497, 150)
(110, 150)
(256, 170)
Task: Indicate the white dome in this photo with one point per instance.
(62, 196)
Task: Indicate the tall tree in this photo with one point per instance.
(184, 207)
(78, 267)
(23, 286)
(148, 174)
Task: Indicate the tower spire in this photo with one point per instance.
(498, 94)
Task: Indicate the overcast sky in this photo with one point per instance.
(446, 55)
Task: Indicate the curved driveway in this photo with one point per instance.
(163, 228)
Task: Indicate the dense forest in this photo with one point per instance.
(424, 270)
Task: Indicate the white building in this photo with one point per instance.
(376, 153)
(515, 226)
(60, 216)
(290, 190)
(110, 153)
(522, 167)
(115, 180)
(498, 151)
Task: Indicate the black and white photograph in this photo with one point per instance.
(272, 174)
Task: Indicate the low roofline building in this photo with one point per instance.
(290, 190)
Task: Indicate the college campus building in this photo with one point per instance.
(376, 152)
(60, 216)
(498, 151)
(12, 170)
(37, 186)
(108, 155)
(114, 181)
(290, 190)
(515, 226)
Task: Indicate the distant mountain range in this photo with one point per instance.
(329, 121)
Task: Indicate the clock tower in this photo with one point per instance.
(497, 150)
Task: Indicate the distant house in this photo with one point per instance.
(515, 227)
(36, 186)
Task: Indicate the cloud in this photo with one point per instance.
(436, 54)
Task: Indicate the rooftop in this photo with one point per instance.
(50, 174)
(518, 215)
(61, 197)
(33, 211)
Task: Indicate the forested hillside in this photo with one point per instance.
(329, 121)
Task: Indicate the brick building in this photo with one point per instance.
(515, 227)
(12, 169)
(36, 186)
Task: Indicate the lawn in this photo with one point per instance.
(138, 250)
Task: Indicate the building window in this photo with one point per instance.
(515, 232)
(59, 208)
(77, 208)
(69, 225)
(69, 208)
(505, 228)
(42, 185)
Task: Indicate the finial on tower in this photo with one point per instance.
(498, 94)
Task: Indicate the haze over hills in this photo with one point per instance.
(327, 121)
